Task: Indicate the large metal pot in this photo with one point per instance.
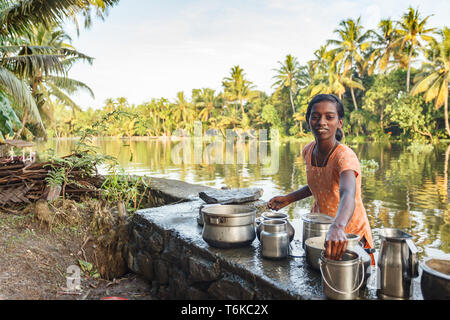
(229, 226)
(315, 225)
(200, 212)
(435, 281)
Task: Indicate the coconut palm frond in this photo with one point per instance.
(18, 16)
(8, 118)
(72, 53)
(19, 91)
(63, 97)
(70, 85)
(32, 64)
(424, 83)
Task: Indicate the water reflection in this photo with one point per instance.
(409, 190)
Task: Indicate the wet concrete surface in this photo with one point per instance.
(292, 275)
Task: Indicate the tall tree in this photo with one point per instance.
(435, 76)
(44, 60)
(237, 89)
(411, 30)
(287, 77)
(383, 47)
(17, 18)
(328, 79)
(208, 102)
(349, 47)
(183, 111)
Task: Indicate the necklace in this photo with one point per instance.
(317, 151)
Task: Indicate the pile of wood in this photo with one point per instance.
(24, 182)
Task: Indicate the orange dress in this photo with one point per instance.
(324, 185)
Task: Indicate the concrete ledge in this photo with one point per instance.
(166, 247)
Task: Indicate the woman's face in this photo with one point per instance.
(324, 120)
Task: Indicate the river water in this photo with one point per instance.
(404, 188)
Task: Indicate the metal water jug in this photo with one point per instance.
(274, 239)
(397, 263)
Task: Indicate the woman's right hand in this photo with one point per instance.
(278, 202)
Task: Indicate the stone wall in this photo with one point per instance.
(181, 270)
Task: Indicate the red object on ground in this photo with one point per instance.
(113, 298)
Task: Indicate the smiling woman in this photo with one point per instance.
(334, 177)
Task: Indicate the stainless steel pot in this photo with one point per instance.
(435, 281)
(271, 216)
(313, 249)
(229, 226)
(342, 279)
(315, 225)
(275, 239)
(315, 245)
(200, 212)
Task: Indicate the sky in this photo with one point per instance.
(148, 49)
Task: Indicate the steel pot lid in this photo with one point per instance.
(229, 211)
(274, 215)
(317, 218)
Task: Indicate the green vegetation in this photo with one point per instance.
(393, 81)
(34, 61)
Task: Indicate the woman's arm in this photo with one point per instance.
(278, 202)
(336, 241)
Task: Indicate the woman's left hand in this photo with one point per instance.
(335, 243)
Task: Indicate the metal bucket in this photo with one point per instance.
(342, 279)
(315, 225)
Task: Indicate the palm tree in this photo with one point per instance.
(183, 110)
(328, 79)
(383, 44)
(208, 101)
(412, 29)
(435, 76)
(287, 76)
(45, 85)
(16, 19)
(350, 45)
(321, 61)
(237, 88)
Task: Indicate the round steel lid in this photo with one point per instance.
(317, 218)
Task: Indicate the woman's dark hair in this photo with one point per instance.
(339, 107)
